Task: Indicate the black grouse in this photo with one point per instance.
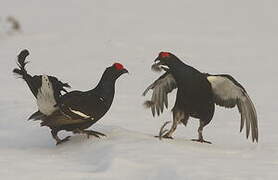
(46, 89)
(197, 94)
(79, 110)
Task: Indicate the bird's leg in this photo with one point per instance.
(168, 135)
(162, 130)
(177, 117)
(185, 120)
(58, 140)
(200, 133)
(89, 133)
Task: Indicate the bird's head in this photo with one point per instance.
(115, 71)
(163, 61)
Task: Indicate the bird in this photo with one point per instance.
(46, 89)
(78, 110)
(196, 97)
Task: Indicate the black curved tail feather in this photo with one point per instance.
(32, 81)
(21, 71)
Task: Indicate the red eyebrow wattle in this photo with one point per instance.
(118, 66)
(164, 54)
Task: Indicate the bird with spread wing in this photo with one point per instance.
(197, 94)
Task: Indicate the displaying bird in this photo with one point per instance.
(197, 94)
(79, 110)
(46, 89)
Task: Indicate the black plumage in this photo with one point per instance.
(46, 89)
(79, 110)
(197, 94)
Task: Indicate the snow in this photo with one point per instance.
(77, 40)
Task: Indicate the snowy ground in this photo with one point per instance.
(77, 40)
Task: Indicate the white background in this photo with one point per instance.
(76, 40)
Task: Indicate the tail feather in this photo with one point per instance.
(64, 85)
(32, 81)
(37, 116)
(21, 71)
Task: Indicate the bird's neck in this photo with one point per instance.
(106, 85)
(182, 71)
(106, 88)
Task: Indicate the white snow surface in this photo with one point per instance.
(76, 40)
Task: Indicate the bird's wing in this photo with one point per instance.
(161, 87)
(229, 93)
(58, 119)
(77, 104)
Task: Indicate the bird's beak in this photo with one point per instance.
(157, 60)
(125, 71)
(156, 66)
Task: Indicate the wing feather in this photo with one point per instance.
(160, 87)
(229, 93)
(76, 104)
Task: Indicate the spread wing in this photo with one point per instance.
(229, 93)
(160, 87)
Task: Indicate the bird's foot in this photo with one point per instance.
(93, 133)
(164, 133)
(60, 141)
(164, 137)
(201, 141)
